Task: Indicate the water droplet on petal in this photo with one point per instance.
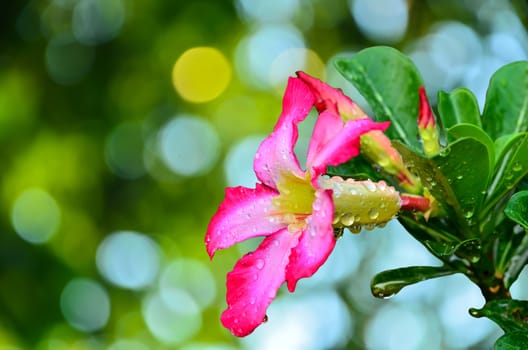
(371, 186)
(260, 264)
(347, 219)
(373, 213)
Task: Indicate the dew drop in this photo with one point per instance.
(517, 167)
(468, 214)
(355, 228)
(260, 264)
(370, 227)
(444, 152)
(347, 219)
(373, 213)
(382, 295)
(371, 186)
(460, 177)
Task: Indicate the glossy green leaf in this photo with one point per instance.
(457, 177)
(517, 208)
(458, 106)
(510, 315)
(387, 283)
(469, 130)
(511, 167)
(506, 108)
(389, 81)
(469, 249)
(512, 341)
(516, 260)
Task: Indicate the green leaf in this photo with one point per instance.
(517, 260)
(510, 315)
(458, 106)
(512, 341)
(469, 249)
(387, 283)
(469, 130)
(457, 177)
(389, 81)
(517, 208)
(506, 108)
(511, 167)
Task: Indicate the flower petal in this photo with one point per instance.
(275, 155)
(316, 242)
(254, 282)
(243, 214)
(326, 126)
(339, 148)
(327, 97)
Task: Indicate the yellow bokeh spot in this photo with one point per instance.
(201, 74)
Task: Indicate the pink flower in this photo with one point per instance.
(288, 207)
(376, 146)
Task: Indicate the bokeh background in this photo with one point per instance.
(121, 122)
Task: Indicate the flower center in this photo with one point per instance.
(294, 202)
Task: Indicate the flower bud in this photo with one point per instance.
(427, 126)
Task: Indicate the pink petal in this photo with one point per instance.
(327, 97)
(326, 126)
(342, 146)
(254, 282)
(275, 155)
(243, 214)
(316, 243)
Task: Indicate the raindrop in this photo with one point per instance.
(460, 177)
(355, 228)
(444, 152)
(260, 264)
(468, 214)
(379, 293)
(373, 213)
(517, 167)
(347, 219)
(371, 186)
